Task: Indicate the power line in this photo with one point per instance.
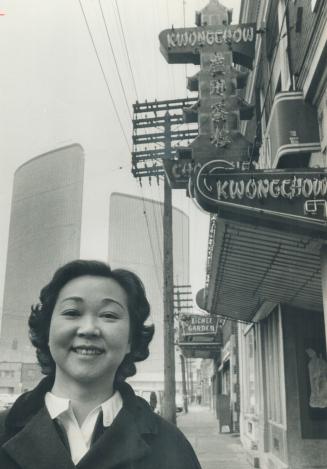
(116, 64)
(108, 36)
(150, 239)
(155, 209)
(126, 49)
(171, 69)
(104, 76)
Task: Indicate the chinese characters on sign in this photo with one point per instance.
(216, 48)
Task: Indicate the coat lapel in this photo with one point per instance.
(121, 445)
(38, 445)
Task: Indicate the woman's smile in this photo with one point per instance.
(87, 350)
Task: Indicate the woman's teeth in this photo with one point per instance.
(87, 350)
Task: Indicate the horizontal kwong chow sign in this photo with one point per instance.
(201, 36)
(184, 45)
(293, 194)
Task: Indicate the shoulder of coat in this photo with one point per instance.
(170, 436)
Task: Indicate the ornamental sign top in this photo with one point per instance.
(292, 194)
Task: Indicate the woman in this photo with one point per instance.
(88, 332)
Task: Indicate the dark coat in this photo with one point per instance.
(137, 439)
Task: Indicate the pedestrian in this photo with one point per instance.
(89, 330)
(153, 400)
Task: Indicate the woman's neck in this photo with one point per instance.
(84, 397)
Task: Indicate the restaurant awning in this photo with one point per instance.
(253, 266)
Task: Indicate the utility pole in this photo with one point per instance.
(169, 407)
(164, 115)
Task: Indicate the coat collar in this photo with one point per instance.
(121, 443)
(38, 444)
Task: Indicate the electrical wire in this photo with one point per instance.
(155, 211)
(126, 49)
(104, 77)
(150, 240)
(114, 56)
(117, 114)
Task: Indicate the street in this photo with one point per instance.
(214, 450)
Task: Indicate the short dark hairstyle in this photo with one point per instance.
(138, 309)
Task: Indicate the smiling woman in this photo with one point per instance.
(89, 330)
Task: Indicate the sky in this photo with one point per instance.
(54, 93)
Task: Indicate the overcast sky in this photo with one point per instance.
(53, 93)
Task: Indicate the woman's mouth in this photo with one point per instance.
(87, 350)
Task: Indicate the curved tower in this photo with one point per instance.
(45, 227)
(136, 243)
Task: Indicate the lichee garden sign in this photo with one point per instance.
(293, 194)
(195, 324)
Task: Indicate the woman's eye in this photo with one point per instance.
(71, 312)
(108, 315)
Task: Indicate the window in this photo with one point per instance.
(7, 374)
(322, 118)
(226, 378)
(250, 382)
(283, 47)
(273, 361)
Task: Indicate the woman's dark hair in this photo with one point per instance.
(138, 309)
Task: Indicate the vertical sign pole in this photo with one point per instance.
(323, 254)
(169, 408)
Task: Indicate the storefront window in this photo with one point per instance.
(250, 346)
(226, 379)
(273, 365)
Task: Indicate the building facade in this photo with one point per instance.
(268, 271)
(45, 228)
(17, 377)
(136, 243)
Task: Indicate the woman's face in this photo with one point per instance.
(89, 330)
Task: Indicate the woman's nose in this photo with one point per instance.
(88, 326)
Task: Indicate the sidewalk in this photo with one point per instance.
(214, 450)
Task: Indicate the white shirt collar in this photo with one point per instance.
(110, 408)
(80, 437)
